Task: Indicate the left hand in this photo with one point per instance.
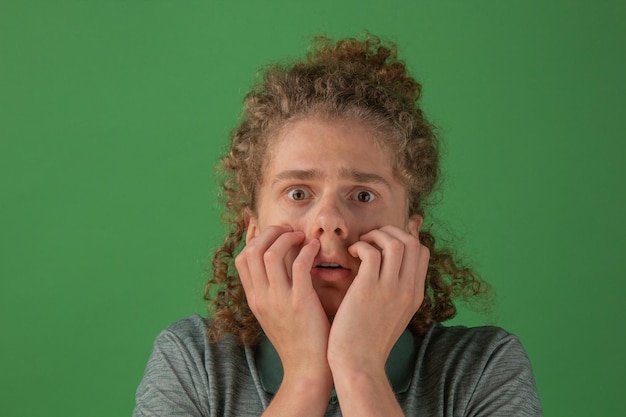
(386, 292)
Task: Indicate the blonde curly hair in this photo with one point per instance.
(348, 79)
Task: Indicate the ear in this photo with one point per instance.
(414, 224)
(252, 224)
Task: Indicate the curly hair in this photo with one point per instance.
(354, 79)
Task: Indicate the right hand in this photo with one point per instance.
(282, 298)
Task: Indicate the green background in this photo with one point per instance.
(113, 114)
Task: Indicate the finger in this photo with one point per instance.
(371, 259)
(302, 267)
(415, 261)
(241, 264)
(392, 250)
(255, 250)
(422, 271)
(278, 273)
(412, 253)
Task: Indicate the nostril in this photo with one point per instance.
(338, 231)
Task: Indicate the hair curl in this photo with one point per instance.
(347, 79)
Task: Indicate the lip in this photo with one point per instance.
(343, 272)
(330, 275)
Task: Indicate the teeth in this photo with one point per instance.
(329, 265)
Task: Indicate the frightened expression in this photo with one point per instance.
(334, 181)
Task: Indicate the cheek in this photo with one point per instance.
(296, 219)
(275, 214)
(367, 220)
(299, 225)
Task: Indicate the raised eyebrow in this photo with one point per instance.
(310, 174)
(296, 174)
(365, 177)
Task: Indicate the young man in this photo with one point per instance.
(327, 295)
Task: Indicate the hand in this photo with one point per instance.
(386, 292)
(281, 296)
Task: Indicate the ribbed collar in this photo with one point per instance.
(399, 367)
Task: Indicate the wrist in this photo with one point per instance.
(366, 392)
(350, 364)
(358, 377)
(302, 395)
(315, 386)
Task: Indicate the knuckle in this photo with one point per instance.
(370, 253)
(240, 259)
(252, 250)
(413, 244)
(396, 246)
(270, 256)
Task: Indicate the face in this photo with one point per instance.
(331, 180)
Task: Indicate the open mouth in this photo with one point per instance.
(328, 271)
(329, 266)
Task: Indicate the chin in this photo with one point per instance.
(331, 299)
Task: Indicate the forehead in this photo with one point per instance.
(319, 145)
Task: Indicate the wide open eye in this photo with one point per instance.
(298, 194)
(364, 196)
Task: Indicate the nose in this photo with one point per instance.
(329, 220)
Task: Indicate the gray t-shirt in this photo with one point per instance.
(458, 372)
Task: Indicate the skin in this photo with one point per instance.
(328, 197)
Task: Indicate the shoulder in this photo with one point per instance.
(470, 340)
(474, 351)
(487, 366)
(188, 375)
(188, 338)
(191, 329)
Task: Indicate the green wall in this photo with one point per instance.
(113, 113)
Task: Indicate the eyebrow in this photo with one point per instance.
(311, 174)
